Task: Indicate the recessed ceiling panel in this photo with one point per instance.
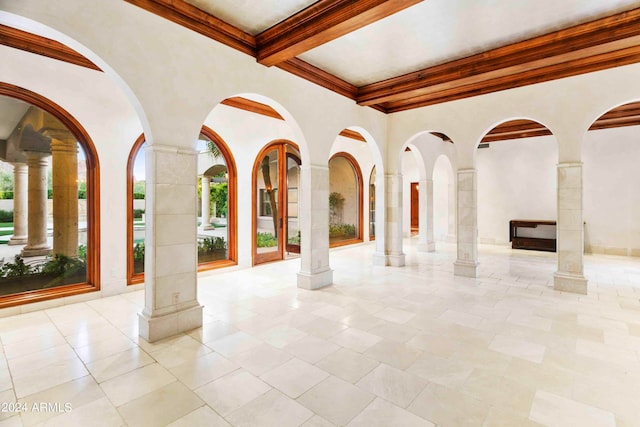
(11, 111)
(252, 16)
(438, 31)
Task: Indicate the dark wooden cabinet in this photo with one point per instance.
(532, 234)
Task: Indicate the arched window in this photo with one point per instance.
(345, 200)
(49, 180)
(217, 229)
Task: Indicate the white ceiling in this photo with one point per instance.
(11, 111)
(437, 31)
(250, 15)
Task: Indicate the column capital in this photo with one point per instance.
(170, 149)
(570, 164)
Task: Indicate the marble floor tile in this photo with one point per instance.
(348, 365)
(99, 413)
(202, 370)
(336, 400)
(118, 364)
(272, 409)
(443, 406)
(323, 328)
(394, 331)
(213, 331)
(232, 391)
(261, 359)
(42, 378)
(381, 413)
(395, 315)
(101, 349)
(281, 335)
(294, 377)
(161, 406)
(234, 344)
(311, 349)
(201, 417)
(446, 372)
(555, 411)
(317, 421)
(518, 347)
(393, 354)
(392, 384)
(355, 339)
(134, 384)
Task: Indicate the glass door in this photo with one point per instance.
(268, 223)
(293, 185)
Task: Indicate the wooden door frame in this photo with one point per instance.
(414, 189)
(359, 184)
(279, 145)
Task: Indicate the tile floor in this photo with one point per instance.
(409, 346)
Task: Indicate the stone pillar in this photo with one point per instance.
(64, 164)
(467, 217)
(451, 223)
(171, 304)
(206, 195)
(37, 205)
(20, 198)
(313, 196)
(393, 254)
(426, 241)
(570, 230)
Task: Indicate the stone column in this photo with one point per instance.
(313, 197)
(171, 304)
(37, 205)
(570, 230)
(393, 254)
(467, 217)
(426, 241)
(206, 195)
(451, 223)
(20, 198)
(64, 164)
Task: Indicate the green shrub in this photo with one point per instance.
(336, 230)
(6, 195)
(138, 195)
(211, 244)
(266, 240)
(138, 252)
(137, 213)
(6, 216)
(16, 269)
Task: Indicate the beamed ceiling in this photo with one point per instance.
(395, 55)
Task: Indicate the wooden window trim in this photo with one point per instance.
(372, 237)
(93, 202)
(232, 206)
(359, 183)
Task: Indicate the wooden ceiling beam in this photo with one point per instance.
(320, 77)
(348, 133)
(28, 42)
(605, 36)
(191, 17)
(574, 67)
(252, 106)
(321, 22)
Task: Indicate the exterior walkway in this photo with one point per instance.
(383, 346)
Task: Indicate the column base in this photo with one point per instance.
(29, 252)
(379, 259)
(155, 328)
(315, 280)
(570, 283)
(18, 241)
(465, 269)
(427, 247)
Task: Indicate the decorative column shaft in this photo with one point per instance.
(393, 254)
(467, 218)
(570, 230)
(206, 196)
(64, 162)
(426, 241)
(451, 217)
(20, 199)
(37, 206)
(313, 196)
(171, 304)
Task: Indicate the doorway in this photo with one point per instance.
(276, 182)
(415, 208)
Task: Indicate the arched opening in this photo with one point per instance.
(372, 204)
(217, 238)
(517, 187)
(345, 200)
(276, 183)
(52, 236)
(611, 204)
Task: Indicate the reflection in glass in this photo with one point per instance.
(293, 184)
(268, 219)
(43, 202)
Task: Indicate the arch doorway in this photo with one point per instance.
(276, 182)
